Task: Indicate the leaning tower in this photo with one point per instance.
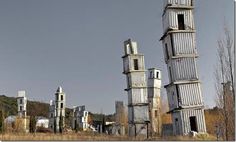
(154, 98)
(134, 69)
(60, 99)
(179, 46)
(21, 103)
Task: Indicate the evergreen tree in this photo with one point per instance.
(61, 123)
(55, 125)
(32, 124)
(2, 117)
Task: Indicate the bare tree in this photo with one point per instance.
(224, 82)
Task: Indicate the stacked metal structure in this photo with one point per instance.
(183, 91)
(154, 98)
(134, 69)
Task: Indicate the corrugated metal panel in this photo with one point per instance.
(183, 69)
(190, 94)
(128, 63)
(199, 114)
(172, 98)
(139, 95)
(178, 2)
(170, 20)
(141, 113)
(138, 79)
(167, 42)
(130, 114)
(184, 43)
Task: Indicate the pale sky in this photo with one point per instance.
(78, 44)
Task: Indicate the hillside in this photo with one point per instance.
(35, 108)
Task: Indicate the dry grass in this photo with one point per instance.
(84, 136)
(57, 137)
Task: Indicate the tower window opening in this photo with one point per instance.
(172, 45)
(21, 101)
(177, 93)
(62, 97)
(157, 74)
(61, 105)
(21, 108)
(136, 64)
(170, 74)
(181, 22)
(156, 113)
(150, 74)
(167, 54)
(193, 123)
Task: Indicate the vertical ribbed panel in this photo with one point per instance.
(183, 69)
(199, 114)
(177, 2)
(170, 20)
(184, 43)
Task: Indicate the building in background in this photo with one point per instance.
(121, 123)
(80, 118)
(22, 120)
(154, 98)
(179, 44)
(57, 111)
(134, 69)
(21, 103)
(52, 114)
(42, 122)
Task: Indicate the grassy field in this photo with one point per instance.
(89, 136)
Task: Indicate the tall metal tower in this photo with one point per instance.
(179, 46)
(21, 103)
(60, 100)
(134, 69)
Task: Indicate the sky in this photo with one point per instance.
(78, 44)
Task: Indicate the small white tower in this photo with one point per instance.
(154, 90)
(60, 103)
(22, 102)
(134, 69)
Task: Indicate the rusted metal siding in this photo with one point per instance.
(177, 2)
(170, 20)
(183, 69)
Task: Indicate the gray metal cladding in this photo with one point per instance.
(128, 62)
(170, 20)
(137, 79)
(184, 43)
(199, 114)
(190, 94)
(183, 69)
(141, 113)
(138, 95)
(178, 2)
